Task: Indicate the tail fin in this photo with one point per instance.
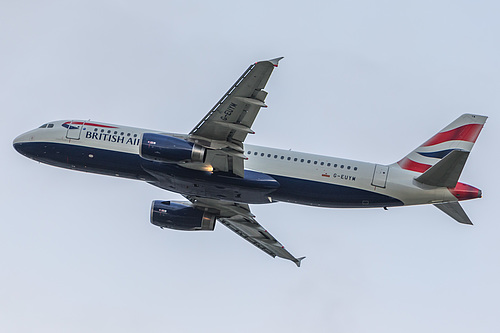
(441, 159)
(460, 135)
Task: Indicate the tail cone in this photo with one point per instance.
(465, 192)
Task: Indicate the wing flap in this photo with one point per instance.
(255, 234)
(240, 104)
(231, 119)
(238, 218)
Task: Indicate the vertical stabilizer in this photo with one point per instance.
(460, 135)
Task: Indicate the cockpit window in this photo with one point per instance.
(50, 125)
(43, 126)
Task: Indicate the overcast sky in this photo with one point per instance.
(360, 79)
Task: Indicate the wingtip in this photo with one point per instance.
(297, 261)
(275, 61)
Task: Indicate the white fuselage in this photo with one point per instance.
(95, 139)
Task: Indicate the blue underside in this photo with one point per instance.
(255, 187)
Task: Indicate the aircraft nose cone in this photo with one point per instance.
(19, 143)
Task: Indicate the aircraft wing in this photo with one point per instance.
(239, 219)
(228, 123)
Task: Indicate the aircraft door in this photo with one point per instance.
(74, 130)
(380, 175)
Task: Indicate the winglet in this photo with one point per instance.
(275, 61)
(298, 260)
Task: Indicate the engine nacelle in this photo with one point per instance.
(159, 147)
(180, 216)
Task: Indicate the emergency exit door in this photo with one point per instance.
(380, 175)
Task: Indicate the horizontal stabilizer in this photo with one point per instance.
(447, 171)
(455, 211)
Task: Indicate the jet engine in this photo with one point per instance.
(180, 216)
(164, 148)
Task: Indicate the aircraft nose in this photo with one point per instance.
(20, 141)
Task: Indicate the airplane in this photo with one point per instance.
(220, 176)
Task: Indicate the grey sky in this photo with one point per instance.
(363, 80)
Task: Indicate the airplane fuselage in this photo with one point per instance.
(270, 174)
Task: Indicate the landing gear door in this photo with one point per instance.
(380, 175)
(74, 130)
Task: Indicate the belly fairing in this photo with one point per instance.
(254, 187)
